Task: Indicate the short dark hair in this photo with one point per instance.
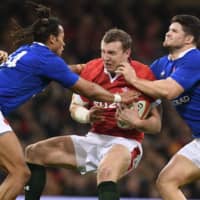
(40, 30)
(190, 24)
(116, 34)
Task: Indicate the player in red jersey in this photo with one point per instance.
(110, 150)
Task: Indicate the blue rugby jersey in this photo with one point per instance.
(28, 71)
(186, 71)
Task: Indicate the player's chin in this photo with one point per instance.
(165, 44)
(59, 53)
(110, 68)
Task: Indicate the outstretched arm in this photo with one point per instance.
(95, 92)
(166, 88)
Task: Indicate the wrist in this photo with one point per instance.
(81, 115)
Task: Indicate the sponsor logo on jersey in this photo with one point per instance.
(181, 100)
(106, 104)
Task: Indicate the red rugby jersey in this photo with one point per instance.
(95, 72)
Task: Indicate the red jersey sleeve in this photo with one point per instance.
(90, 73)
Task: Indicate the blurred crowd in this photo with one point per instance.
(47, 115)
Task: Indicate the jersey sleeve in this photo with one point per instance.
(90, 72)
(58, 70)
(159, 67)
(187, 75)
(150, 75)
(155, 68)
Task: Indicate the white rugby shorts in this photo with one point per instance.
(4, 125)
(191, 151)
(90, 149)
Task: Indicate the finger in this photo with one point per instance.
(117, 113)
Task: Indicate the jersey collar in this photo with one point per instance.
(112, 79)
(182, 53)
(40, 43)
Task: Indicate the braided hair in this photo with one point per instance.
(44, 26)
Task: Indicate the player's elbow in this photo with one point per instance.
(170, 96)
(167, 94)
(171, 89)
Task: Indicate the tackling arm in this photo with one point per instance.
(95, 92)
(165, 88)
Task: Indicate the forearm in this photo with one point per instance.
(166, 88)
(95, 92)
(80, 113)
(155, 89)
(151, 124)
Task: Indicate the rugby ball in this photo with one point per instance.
(143, 106)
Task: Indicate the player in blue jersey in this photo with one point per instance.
(179, 81)
(27, 72)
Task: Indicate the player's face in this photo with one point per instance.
(59, 43)
(175, 38)
(113, 54)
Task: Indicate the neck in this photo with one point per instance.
(174, 53)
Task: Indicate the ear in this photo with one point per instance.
(128, 52)
(189, 39)
(52, 39)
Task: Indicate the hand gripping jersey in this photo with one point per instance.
(95, 72)
(28, 71)
(185, 71)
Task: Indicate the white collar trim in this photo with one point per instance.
(182, 53)
(112, 79)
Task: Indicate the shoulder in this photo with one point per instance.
(193, 55)
(160, 61)
(193, 52)
(93, 67)
(98, 62)
(191, 60)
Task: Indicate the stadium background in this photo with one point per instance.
(85, 21)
